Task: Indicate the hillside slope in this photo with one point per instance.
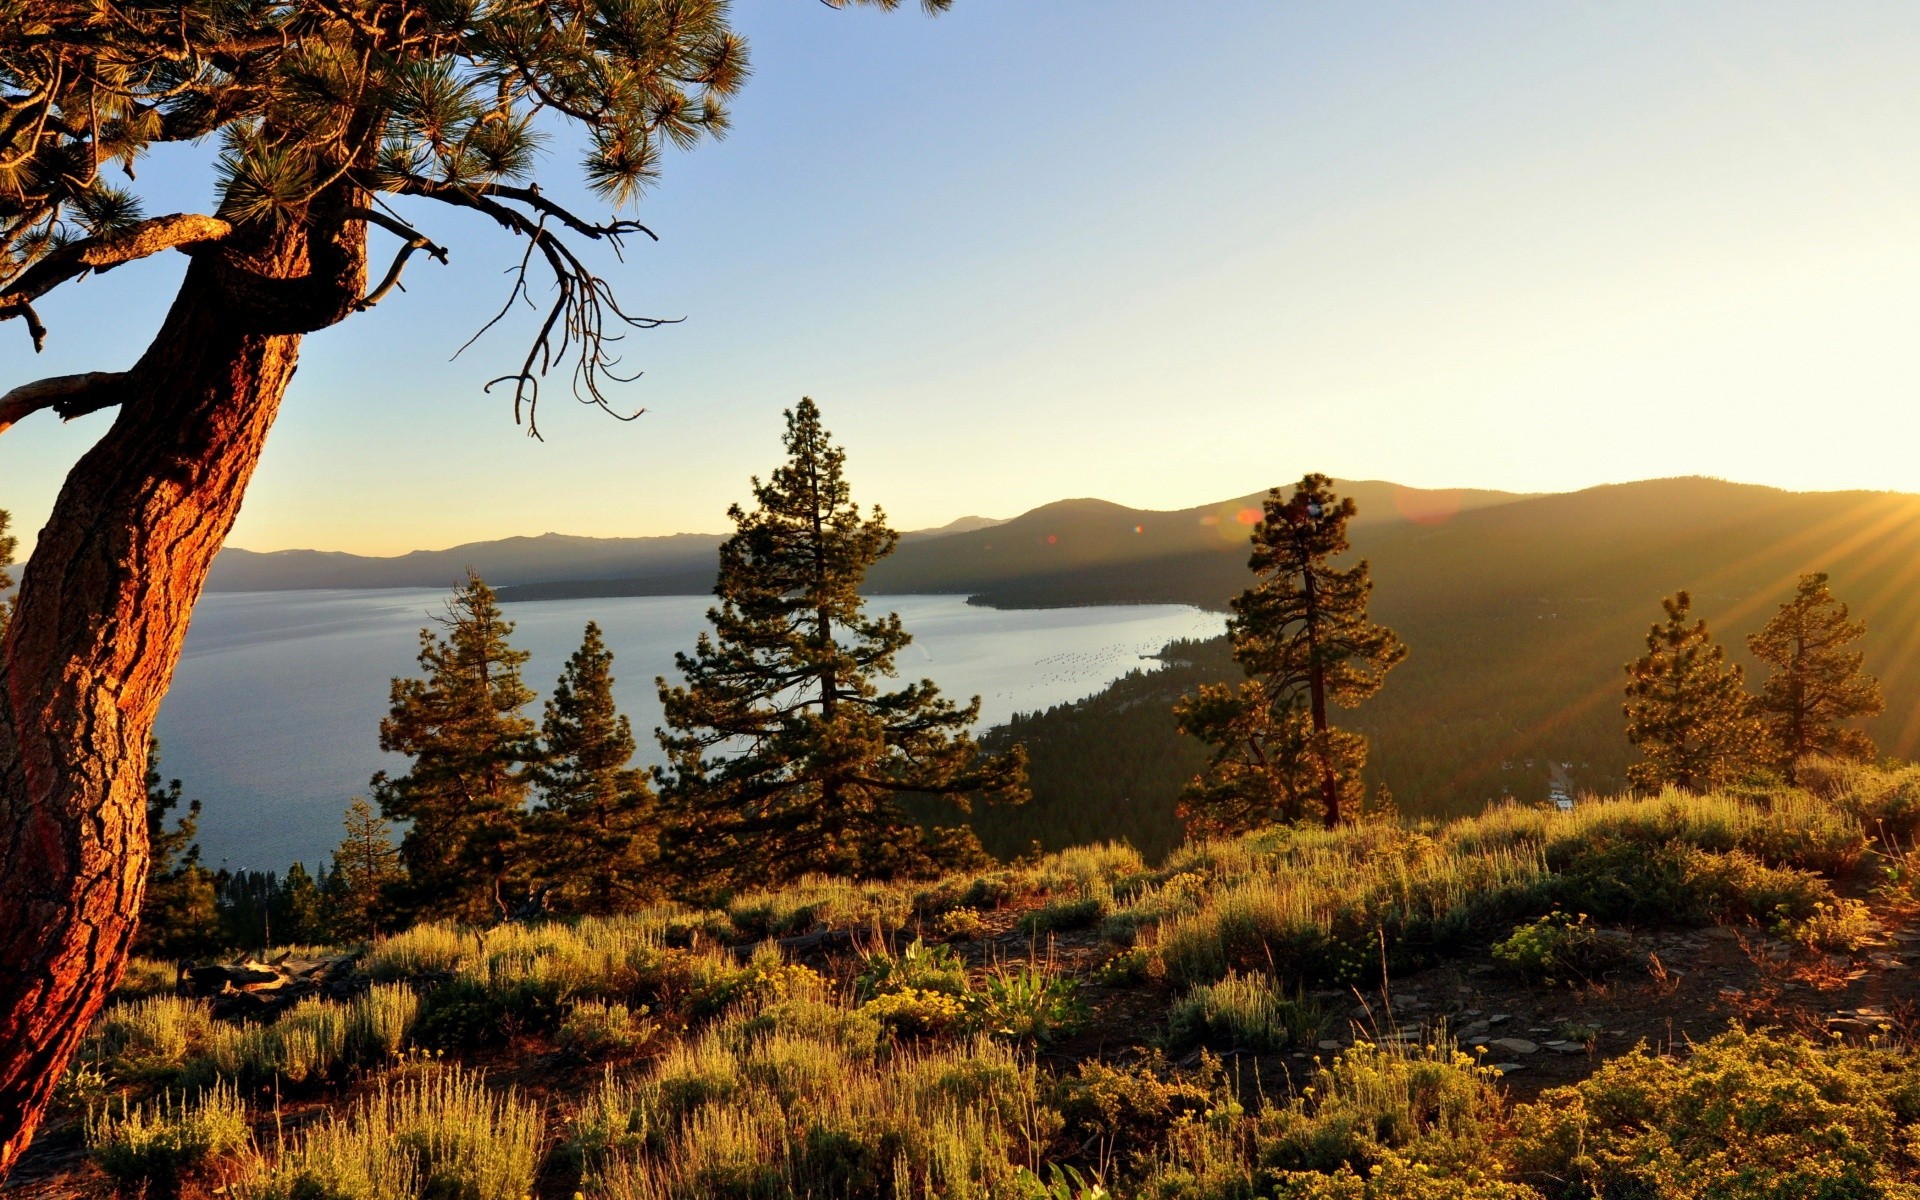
(1519, 618)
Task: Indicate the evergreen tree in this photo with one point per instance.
(1816, 682)
(784, 755)
(1302, 635)
(179, 917)
(299, 916)
(597, 828)
(8, 544)
(472, 747)
(1687, 708)
(366, 874)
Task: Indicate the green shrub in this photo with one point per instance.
(152, 1041)
(781, 1117)
(439, 1136)
(1244, 1012)
(1028, 1002)
(1559, 948)
(153, 1147)
(145, 977)
(915, 1012)
(380, 1021)
(596, 1030)
(1082, 913)
(1742, 1117)
(960, 925)
(1127, 1108)
(1843, 926)
(923, 967)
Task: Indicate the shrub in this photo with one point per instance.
(1843, 926)
(1558, 948)
(1028, 1002)
(1744, 1116)
(960, 925)
(1244, 1012)
(153, 1147)
(920, 966)
(380, 1021)
(1081, 913)
(439, 1136)
(915, 1012)
(780, 1117)
(595, 1030)
(1127, 1109)
(145, 977)
(152, 1041)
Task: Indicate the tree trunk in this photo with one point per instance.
(103, 609)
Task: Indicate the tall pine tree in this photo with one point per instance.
(179, 917)
(366, 875)
(597, 828)
(472, 748)
(1687, 708)
(1302, 635)
(1816, 681)
(784, 755)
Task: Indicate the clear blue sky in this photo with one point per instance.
(1162, 253)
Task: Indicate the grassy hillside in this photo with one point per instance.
(1519, 617)
(1382, 1011)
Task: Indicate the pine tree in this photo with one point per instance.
(1687, 708)
(299, 916)
(8, 544)
(366, 874)
(472, 747)
(179, 917)
(1816, 682)
(597, 828)
(1302, 635)
(784, 755)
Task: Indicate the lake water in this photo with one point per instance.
(275, 711)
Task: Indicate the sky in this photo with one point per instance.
(1160, 253)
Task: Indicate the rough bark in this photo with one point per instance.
(103, 610)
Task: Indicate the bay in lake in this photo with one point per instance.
(275, 711)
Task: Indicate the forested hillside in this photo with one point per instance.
(1519, 617)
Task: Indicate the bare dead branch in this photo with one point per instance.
(584, 307)
(68, 395)
(413, 239)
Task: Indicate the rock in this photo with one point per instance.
(1722, 933)
(1514, 1045)
(1476, 1027)
(1328, 1044)
(1499, 1018)
(1509, 1067)
(1567, 1047)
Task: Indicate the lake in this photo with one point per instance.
(275, 711)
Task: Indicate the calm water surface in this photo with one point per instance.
(274, 715)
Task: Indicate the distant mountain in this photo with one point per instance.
(514, 560)
(1096, 552)
(550, 566)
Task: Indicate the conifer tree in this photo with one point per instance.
(784, 755)
(596, 830)
(366, 875)
(299, 916)
(1687, 708)
(8, 544)
(1302, 635)
(1817, 681)
(472, 747)
(179, 917)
